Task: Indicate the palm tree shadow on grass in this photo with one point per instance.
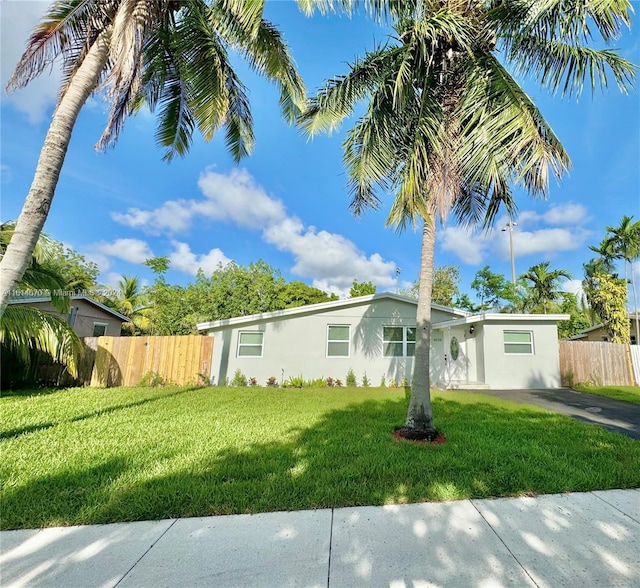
(16, 432)
(348, 458)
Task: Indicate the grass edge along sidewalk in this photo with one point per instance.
(81, 456)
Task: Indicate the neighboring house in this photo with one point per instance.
(376, 335)
(599, 332)
(88, 317)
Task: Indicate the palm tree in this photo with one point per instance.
(448, 129)
(544, 285)
(24, 329)
(132, 303)
(171, 55)
(624, 241)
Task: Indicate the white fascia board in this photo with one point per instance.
(320, 307)
(501, 317)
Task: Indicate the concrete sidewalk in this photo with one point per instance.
(582, 540)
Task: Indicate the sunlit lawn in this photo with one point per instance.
(93, 456)
(627, 393)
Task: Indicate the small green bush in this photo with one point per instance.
(294, 382)
(152, 380)
(352, 382)
(330, 382)
(383, 382)
(365, 381)
(239, 379)
(272, 382)
(317, 383)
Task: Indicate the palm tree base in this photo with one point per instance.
(414, 434)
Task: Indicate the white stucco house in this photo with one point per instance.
(376, 335)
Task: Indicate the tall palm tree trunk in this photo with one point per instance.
(420, 414)
(36, 207)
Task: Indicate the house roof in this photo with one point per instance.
(501, 317)
(37, 299)
(321, 307)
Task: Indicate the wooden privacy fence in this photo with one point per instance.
(125, 361)
(598, 362)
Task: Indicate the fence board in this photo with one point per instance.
(123, 361)
(634, 351)
(599, 362)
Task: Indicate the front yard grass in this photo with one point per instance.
(626, 393)
(87, 455)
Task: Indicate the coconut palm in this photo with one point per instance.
(544, 284)
(132, 302)
(24, 329)
(448, 129)
(624, 241)
(171, 55)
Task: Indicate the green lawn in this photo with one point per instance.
(627, 393)
(95, 456)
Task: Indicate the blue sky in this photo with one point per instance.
(288, 202)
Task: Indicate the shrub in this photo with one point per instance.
(365, 381)
(272, 382)
(294, 382)
(383, 382)
(330, 382)
(239, 379)
(152, 379)
(317, 383)
(253, 381)
(338, 382)
(351, 379)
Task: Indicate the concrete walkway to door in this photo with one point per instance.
(614, 415)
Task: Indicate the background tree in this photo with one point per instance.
(132, 302)
(361, 289)
(445, 284)
(544, 285)
(608, 298)
(578, 320)
(624, 241)
(447, 129)
(297, 293)
(492, 289)
(168, 55)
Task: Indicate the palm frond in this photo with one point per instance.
(24, 328)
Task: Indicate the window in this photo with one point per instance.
(250, 344)
(99, 329)
(398, 341)
(338, 341)
(518, 342)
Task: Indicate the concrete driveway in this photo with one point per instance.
(613, 415)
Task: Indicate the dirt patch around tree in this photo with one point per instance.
(419, 438)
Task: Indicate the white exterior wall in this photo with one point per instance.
(539, 370)
(297, 345)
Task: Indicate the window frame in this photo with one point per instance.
(529, 344)
(405, 340)
(100, 324)
(347, 341)
(242, 345)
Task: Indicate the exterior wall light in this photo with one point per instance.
(472, 330)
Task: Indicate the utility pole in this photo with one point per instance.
(509, 226)
(398, 270)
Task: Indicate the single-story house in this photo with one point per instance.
(88, 317)
(375, 335)
(599, 332)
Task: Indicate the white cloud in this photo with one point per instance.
(112, 279)
(131, 250)
(470, 247)
(332, 260)
(237, 198)
(173, 216)
(575, 287)
(565, 214)
(18, 19)
(545, 241)
(183, 259)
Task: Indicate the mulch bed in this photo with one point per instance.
(434, 439)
